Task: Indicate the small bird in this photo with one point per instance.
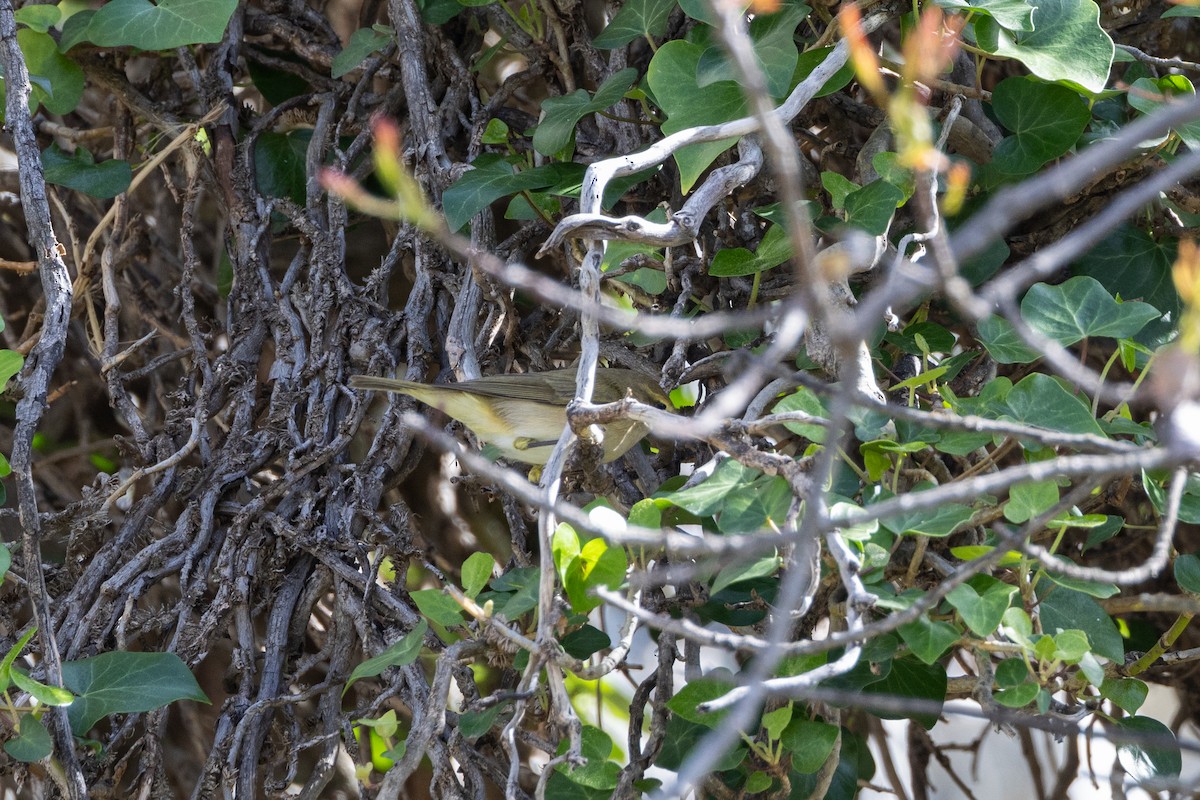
(523, 415)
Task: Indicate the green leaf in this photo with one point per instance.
(910, 678)
(1129, 263)
(774, 47)
(438, 607)
(564, 547)
(1148, 95)
(493, 178)
(124, 683)
(1002, 342)
(170, 24)
(1153, 754)
(637, 18)
(871, 207)
(1012, 15)
(1027, 500)
(1187, 572)
(474, 724)
(773, 250)
(745, 571)
(400, 654)
(928, 639)
(43, 693)
(672, 78)
(937, 522)
(1070, 646)
(560, 115)
(1081, 308)
(82, 173)
(585, 641)
(596, 565)
(694, 693)
(809, 743)
(1127, 693)
(768, 499)
(1101, 590)
(1046, 121)
(10, 364)
(804, 399)
(982, 611)
(363, 42)
(706, 498)
(1017, 696)
(58, 82)
(773, 722)
(1065, 609)
(1041, 401)
(33, 742)
(1011, 672)
(1066, 44)
(280, 164)
(476, 572)
(39, 18)
(5, 561)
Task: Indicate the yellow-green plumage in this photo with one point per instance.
(523, 415)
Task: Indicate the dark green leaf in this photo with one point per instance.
(1081, 308)
(1151, 752)
(1065, 609)
(493, 178)
(560, 115)
(871, 207)
(809, 742)
(33, 742)
(81, 172)
(1046, 121)
(1128, 693)
(279, 164)
(747, 570)
(910, 678)
(585, 641)
(1187, 572)
(1132, 265)
(474, 724)
(124, 683)
(1043, 402)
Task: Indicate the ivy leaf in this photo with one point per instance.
(1027, 500)
(39, 18)
(910, 678)
(982, 610)
(560, 115)
(1002, 342)
(1152, 752)
(170, 24)
(82, 173)
(1012, 15)
(1046, 121)
(1066, 44)
(1148, 95)
(672, 78)
(1081, 308)
(637, 18)
(33, 742)
(476, 572)
(58, 82)
(1042, 402)
(491, 179)
(438, 607)
(809, 743)
(693, 694)
(871, 207)
(1129, 263)
(1065, 609)
(124, 683)
(928, 639)
(363, 42)
(774, 49)
(585, 641)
